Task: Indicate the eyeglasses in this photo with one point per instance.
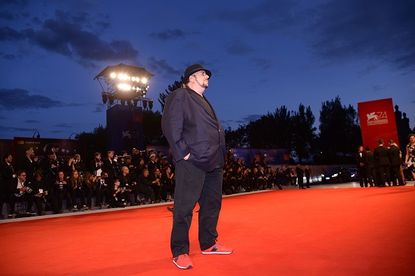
(200, 73)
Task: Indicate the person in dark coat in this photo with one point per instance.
(370, 167)
(144, 186)
(95, 166)
(395, 157)
(110, 166)
(127, 185)
(382, 164)
(307, 173)
(28, 164)
(197, 143)
(21, 191)
(7, 178)
(361, 163)
(300, 176)
(61, 192)
(40, 192)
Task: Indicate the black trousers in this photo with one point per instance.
(195, 185)
(300, 182)
(396, 174)
(382, 175)
(28, 198)
(362, 174)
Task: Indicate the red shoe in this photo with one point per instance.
(183, 261)
(217, 250)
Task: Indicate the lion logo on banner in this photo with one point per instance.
(377, 118)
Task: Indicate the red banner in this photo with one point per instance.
(377, 121)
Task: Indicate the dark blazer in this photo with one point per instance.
(394, 155)
(381, 155)
(370, 159)
(361, 160)
(7, 177)
(111, 168)
(29, 167)
(191, 126)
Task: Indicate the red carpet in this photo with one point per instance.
(312, 232)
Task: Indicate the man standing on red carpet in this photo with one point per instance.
(197, 143)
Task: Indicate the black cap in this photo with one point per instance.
(193, 69)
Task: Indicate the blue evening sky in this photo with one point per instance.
(263, 54)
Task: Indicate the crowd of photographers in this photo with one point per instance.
(57, 181)
(238, 177)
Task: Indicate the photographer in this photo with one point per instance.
(75, 163)
(77, 191)
(29, 164)
(117, 195)
(156, 184)
(7, 178)
(167, 180)
(140, 167)
(40, 192)
(127, 184)
(89, 182)
(61, 192)
(135, 155)
(103, 190)
(22, 192)
(50, 168)
(96, 164)
(238, 178)
(144, 186)
(110, 166)
(153, 163)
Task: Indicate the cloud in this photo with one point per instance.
(10, 34)
(265, 17)
(376, 29)
(12, 99)
(162, 67)
(239, 48)
(171, 34)
(70, 39)
(70, 35)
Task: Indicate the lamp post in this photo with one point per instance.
(124, 91)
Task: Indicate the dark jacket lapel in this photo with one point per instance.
(203, 102)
